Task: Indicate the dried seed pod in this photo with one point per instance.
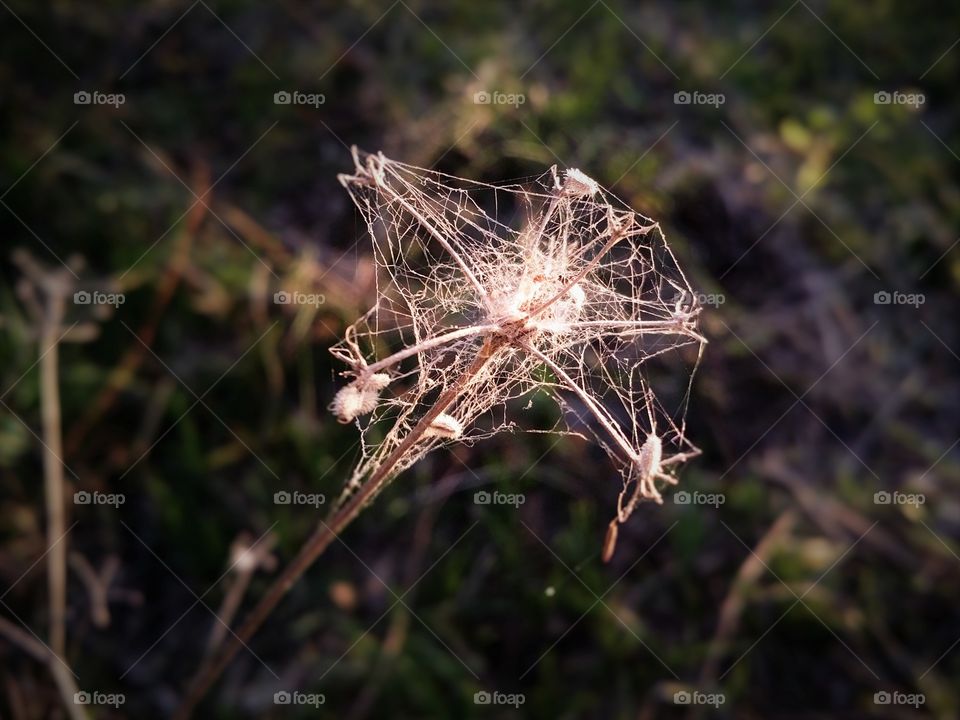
(651, 455)
(578, 184)
(445, 426)
(610, 541)
(358, 399)
(377, 381)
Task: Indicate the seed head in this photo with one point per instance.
(359, 397)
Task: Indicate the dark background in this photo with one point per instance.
(796, 200)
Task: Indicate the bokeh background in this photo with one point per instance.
(794, 201)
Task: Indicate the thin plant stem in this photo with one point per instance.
(56, 286)
(428, 344)
(53, 473)
(327, 531)
(62, 675)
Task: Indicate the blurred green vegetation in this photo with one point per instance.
(798, 199)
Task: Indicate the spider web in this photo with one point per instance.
(563, 288)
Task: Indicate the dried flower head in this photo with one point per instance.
(490, 292)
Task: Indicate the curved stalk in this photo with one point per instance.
(326, 532)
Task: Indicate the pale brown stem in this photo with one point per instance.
(97, 584)
(326, 532)
(53, 473)
(428, 344)
(228, 609)
(60, 672)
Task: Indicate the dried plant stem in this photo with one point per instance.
(97, 584)
(228, 609)
(60, 672)
(327, 531)
(55, 286)
(53, 473)
(430, 343)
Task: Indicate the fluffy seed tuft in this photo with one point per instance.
(358, 399)
(445, 426)
(578, 184)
